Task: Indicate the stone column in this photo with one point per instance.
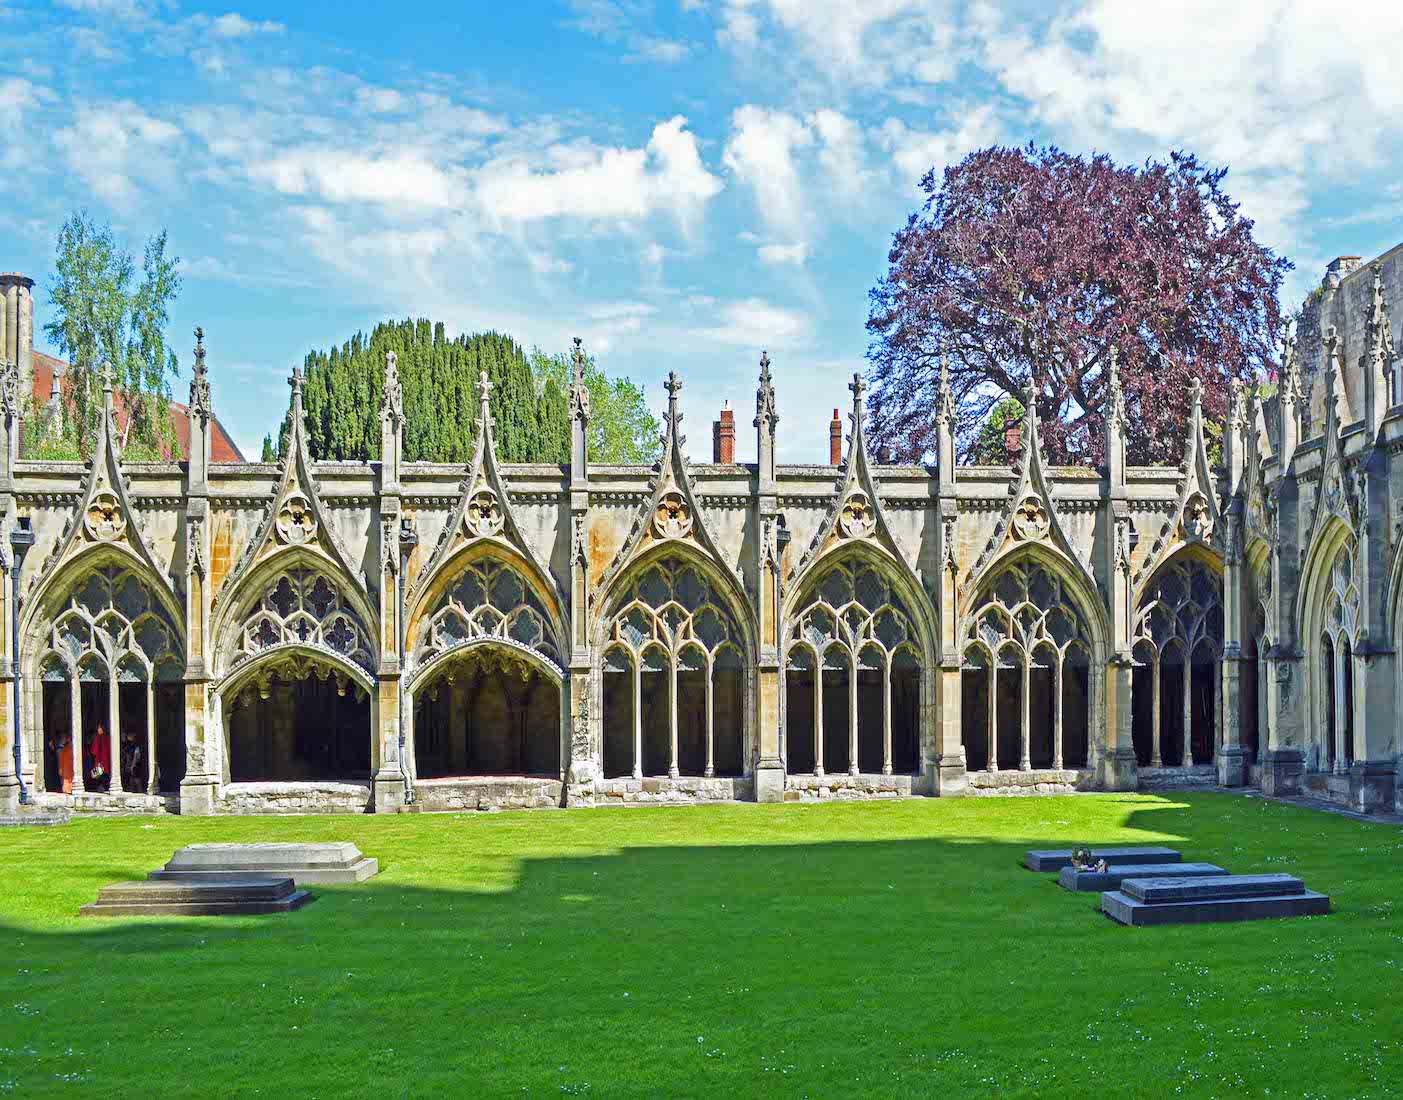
(886, 716)
(75, 724)
(672, 769)
(204, 739)
(391, 789)
(114, 734)
(1156, 688)
(1057, 719)
(852, 715)
(585, 759)
(1116, 767)
(950, 761)
(818, 715)
(992, 717)
(710, 721)
(769, 565)
(1025, 731)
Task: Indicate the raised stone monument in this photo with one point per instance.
(1213, 898)
(329, 864)
(1079, 881)
(1056, 859)
(232, 897)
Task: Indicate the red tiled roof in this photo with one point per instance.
(222, 445)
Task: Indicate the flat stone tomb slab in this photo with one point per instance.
(328, 864)
(49, 817)
(229, 897)
(1069, 878)
(1144, 902)
(1056, 859)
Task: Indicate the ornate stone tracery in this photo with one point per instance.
(302, 607)
(490, 600)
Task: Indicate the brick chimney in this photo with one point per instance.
(17, 327)
(723, 437)
(1013, 439)
(835, 441)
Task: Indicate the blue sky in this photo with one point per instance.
(680, 182)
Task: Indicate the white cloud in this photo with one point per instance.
(779, 254)
(868, 44)
(761, 154)
(234, 25)
(583, 180)
(915, 152)
(756, 323)
(336, 176)
(115, 146)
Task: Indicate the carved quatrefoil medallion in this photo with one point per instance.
(673, 518)
(484, 514)
(857, 520)
(104, 519)
(296, 522)
(1030, 519)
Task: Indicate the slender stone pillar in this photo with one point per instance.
(114, 735)
(852, 715)
(950, 764)
(75, 711)
(710, 723)
(818, 715)
(886, 717)
(1057, 719)
(1116, 767)
(769, 565)
(1025, 725)
(584, 764)
(992, 718)
(204, 739)
(672, 769)
(1156, 688)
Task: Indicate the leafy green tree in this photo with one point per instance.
(621, 429)
(98, 317)
(990, 444)
(269, 455)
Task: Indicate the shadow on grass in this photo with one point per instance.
(874, 967)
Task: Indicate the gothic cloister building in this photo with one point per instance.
(224, 637)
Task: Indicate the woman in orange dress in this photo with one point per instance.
(65, 762)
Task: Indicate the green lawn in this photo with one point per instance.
(888, 949)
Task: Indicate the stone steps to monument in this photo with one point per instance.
(1056, 859)
(234, 897)
(1180, 900)
(23, 817)
(1069, 878)
(339, 863)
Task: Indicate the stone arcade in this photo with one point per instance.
(589, 634)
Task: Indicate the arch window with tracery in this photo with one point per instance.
(490, 599)
(852, 676)
(1178, 648)
(1026, 675)
(302, 607)
(673, 677)
(110, 688)
(1339, 637)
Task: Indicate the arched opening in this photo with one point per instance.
(1332, 714)
(109, 721)
(800, 701)
(1347, 709)
(976, 706)
(684, 712)
(1144, 706)
(1178, 641)
(850, 627)
(905, 711)
(1036, 706)
(298, 718)
(619, 686)
(487, 711)
(1332, 617)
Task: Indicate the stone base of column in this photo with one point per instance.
(1233, 763)
(198, 797)
(1283, 772)
(769, 781)
(1117, 771)
(951, 778)
(580, 785)
(389, 793)
(1372, 786)
(9, 795)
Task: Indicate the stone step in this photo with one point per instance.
(1126, 910)
(1056, 859)
(324, 864)
(1157, 891)
(1069, 878)
(233, 897)
(35, 817)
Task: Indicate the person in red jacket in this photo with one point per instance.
(100, 758)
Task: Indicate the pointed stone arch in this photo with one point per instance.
(483, 522)
(1197, 519)
(1030, 522)
(295, 526)
(672, 517)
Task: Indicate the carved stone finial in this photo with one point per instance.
(484, 388)
(673, 385)
(392, 400)
(1290, 370)
(1115, 394)
(765, 415)
(945, 395)
(200, 405)
(296, 383)
(579, 392)
(104, 373)
(1378, 337)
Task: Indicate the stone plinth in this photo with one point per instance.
(1056, 859)
(1069, 878)
(1143, 902)
(35, 817)
(231, 897)
(325, 864)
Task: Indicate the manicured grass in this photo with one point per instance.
(890, 949)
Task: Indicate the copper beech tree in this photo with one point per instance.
(1029, 265)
